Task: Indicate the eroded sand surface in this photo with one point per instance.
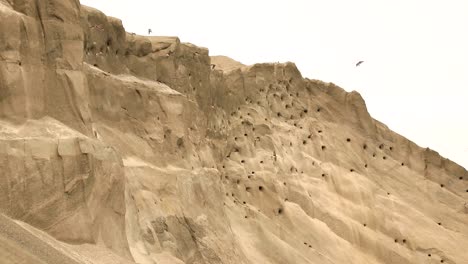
(119, 148)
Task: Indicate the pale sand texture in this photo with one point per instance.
(118, 148)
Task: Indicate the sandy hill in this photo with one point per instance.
(119, 148)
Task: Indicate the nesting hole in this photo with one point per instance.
(260, 188)
(323, 147)
(348, 140)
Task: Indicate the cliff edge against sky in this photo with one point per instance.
(119, 148)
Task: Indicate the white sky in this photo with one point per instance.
(415, 75)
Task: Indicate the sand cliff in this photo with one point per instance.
(119, 148)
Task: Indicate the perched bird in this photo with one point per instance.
(150, 31)
(359, 63)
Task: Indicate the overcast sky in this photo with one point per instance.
(415, 75)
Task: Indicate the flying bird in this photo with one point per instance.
(359, 63)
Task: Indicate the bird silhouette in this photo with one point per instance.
(150, 31)
(359, 63)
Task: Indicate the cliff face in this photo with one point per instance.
(118, 148)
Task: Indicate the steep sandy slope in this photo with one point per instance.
(131, 149)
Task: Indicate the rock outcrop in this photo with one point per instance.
(118, 148)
